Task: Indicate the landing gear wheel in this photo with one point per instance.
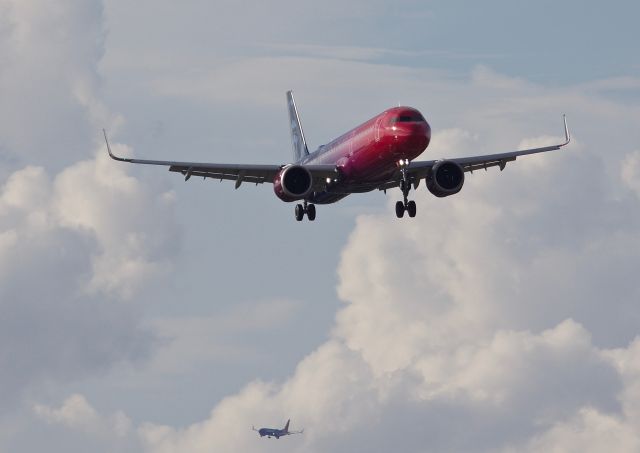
(311, 212)
(411, 208)
(299, 212)
(399, 209)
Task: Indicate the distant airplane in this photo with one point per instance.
(277, 433)
(378, 154)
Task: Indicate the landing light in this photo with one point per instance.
(328, 180)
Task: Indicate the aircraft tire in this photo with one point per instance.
(399, 209)
(311, 212)
(411, 208)
(299, 212)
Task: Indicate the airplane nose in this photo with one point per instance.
(414, 137)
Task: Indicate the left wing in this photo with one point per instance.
(420, 169)
(239, 173)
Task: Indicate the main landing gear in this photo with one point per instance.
(306, 208)
(406, 205)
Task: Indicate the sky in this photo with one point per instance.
(140, 312)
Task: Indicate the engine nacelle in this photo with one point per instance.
(293, 182)
(445, 178)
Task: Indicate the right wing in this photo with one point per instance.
(418, 170)
(501, 159)
(239, 173)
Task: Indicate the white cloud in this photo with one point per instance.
(77, 413)
(504, 316)
(588, 430)
(67, 257)
(50, 111)
(454, 142)
(630, 171)
(78, 235)
(133, 224)
(497, 319)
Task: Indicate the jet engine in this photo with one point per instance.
(293, 182)
(445, 178)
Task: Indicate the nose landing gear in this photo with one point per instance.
(406, 205)
(306, 208)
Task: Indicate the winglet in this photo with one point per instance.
(567, 135)
(113, 156)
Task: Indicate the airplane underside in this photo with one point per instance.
(337, 193)
(326, 197)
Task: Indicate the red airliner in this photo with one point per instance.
(378, 154)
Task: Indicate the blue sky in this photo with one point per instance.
(143, 313)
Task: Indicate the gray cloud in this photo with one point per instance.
(62, 273)
(50, 111)
(496, 320)
(487, 320)
(69, 259)
(502, 318)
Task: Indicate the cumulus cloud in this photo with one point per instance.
(77, 413)
(51, 107)
(93, 431)
(630, 171)
(502, 318)
(67, 257)
(132, 247)
(588, 430)
(496, 320)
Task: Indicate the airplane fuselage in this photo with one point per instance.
(369, 154)
(270, 432)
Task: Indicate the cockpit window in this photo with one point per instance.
(408, 118)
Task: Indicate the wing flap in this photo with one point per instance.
(487, 164)
(225, 177)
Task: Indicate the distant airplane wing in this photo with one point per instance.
(250, 173)
(418, 170)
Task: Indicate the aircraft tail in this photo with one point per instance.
(300, 149)
(286, 427)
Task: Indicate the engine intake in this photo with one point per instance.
(445, 178)
(293, 182)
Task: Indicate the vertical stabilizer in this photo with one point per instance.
(286, 427)
(300, 149)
